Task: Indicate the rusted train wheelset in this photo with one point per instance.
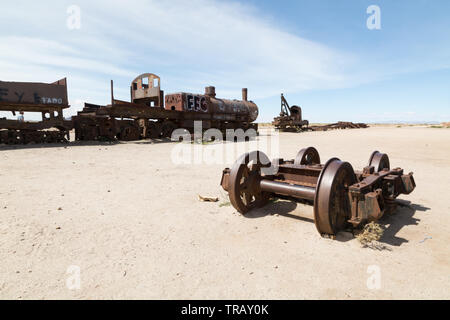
(341, 196)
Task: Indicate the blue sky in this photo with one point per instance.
(319, 53)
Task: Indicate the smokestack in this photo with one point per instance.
(244, 94)
(210, 92)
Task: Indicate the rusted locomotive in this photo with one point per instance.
(149, 114)
(290, 118)
(49, 99)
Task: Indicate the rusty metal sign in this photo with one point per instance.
(34, 93)
(341, 196)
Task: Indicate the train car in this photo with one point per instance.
(49, 99)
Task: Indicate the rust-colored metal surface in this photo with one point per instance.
(307, 156)
(33, 95)
(244, 189)
(290, 118)
(49, 99)
(341, 197)
(219, 109)
(147, 115)
(338, 125)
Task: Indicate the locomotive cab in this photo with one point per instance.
(146, 89)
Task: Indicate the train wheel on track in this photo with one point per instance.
(245, 175)
(332, 206)
(307, 156)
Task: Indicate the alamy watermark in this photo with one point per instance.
(374, 280)
(374, 20)
(73, 21)
(211, 146)
(73, 281)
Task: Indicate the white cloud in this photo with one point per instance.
(226, 44)
(193, 43)
(190, 44)
(51, 54)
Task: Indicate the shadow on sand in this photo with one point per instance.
(71, 144)
(4, 147)
(392, 223)
(282, 208)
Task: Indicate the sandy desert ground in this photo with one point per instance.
(129, 218)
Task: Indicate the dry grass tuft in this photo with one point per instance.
(370, 235)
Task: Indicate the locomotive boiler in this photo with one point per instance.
(221, 109)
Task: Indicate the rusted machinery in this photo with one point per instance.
(290, 118)
(341, 196)
(49, 99)
(151, 115)
(148, 115)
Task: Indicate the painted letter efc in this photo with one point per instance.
(374, 20)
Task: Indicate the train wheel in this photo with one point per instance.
(86, 129)
(46, 137)
(90, 133)
(332, 206)
(21, 137)
(3, 136)
(307, 156)
(107, 129)
(129, 133)
(30, 136)
(49, 137)
(62, 137)
(245, 175)
(27, 136)
(153, 130)
(379, 161)
(167, 128)
(13, 137)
